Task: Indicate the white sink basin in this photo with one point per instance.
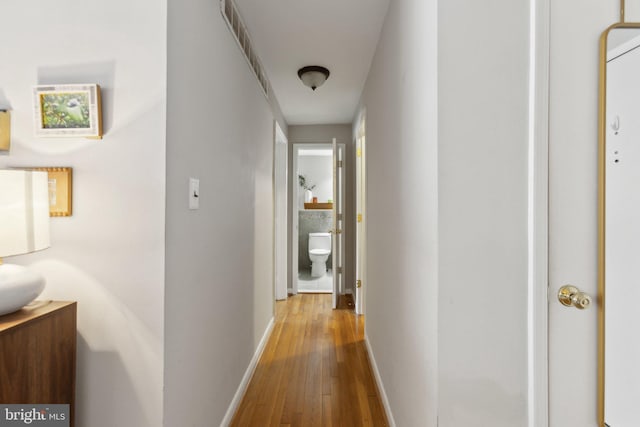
(18, 287)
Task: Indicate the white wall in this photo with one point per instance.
(483, 186)
(482, 219)
(108, 256)
(446, 113)
(301, 134)
(401, 307)
(219, 277)
(318, 171)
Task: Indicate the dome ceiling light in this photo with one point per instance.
(313, 76)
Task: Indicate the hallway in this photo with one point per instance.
(314, 370)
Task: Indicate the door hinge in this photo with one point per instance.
(339, 163)
(339, 270)
(359, 217)
(339, 217)
(358, 283)
(359, 152)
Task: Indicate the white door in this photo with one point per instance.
(296, 205)
(280, 213)
(573, 242)
(337, 235)
(572, 260)
(360, 221)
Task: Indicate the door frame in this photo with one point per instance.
(360, 207)
(280, 190)
(336, 211)
(538, 217)
(295, 194)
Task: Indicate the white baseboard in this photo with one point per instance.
(376, 374)
(237, 398)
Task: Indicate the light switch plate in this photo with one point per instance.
(194, 193)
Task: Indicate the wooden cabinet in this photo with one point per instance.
(38, 355)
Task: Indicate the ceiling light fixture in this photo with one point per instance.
(313, 76)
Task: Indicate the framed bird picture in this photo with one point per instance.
(68, 111)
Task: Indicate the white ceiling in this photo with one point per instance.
(340, 35)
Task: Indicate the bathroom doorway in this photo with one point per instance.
(317, 240)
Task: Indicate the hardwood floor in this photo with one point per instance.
(314, 370)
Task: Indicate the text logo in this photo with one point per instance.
(34, 415)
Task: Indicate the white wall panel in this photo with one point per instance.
(108, 256)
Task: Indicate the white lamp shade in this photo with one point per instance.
(313, 79)
(24, 212)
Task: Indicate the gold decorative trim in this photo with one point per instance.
(5, 130)
(602, 94)
(60, 189)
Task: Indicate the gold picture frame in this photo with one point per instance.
(68, 111)
(5, 130)
(60, 190)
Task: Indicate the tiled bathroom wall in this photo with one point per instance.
(311, 221)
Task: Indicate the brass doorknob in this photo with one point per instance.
(570, 296)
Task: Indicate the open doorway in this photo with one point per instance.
(318, 186)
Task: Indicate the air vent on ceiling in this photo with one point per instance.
(239, 31)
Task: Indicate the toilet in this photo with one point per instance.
(319, 251)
